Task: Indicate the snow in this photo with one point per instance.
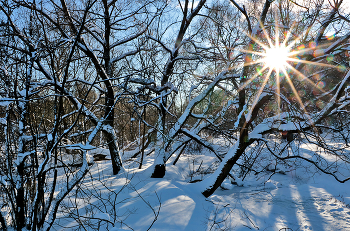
(297, 197)
(80, 146)
(293, 204)
(3, 121)
(4, 102)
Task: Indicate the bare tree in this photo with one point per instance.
(66, 60)
(289, 116)
(72, 71)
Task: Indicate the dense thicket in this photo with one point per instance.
(158, 76)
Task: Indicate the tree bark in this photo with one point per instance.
(159, 171)
(216, 179)
(114, 152)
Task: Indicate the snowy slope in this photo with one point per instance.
(300, 199)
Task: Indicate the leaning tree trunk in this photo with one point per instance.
(215, 180)
(188, 15)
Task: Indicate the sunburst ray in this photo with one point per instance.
(279, 54)
(252, 78)
(305, 78)
(260, 91)
(298, 97)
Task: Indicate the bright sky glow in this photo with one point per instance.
(276, 57)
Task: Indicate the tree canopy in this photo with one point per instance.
(158, 75)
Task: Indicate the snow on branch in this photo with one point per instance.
(314, 163)
(333, 102)
(201, 141)
(127, 54)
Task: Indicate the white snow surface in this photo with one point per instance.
(297, 199)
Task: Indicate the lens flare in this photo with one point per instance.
(282, 60)
(276, 57)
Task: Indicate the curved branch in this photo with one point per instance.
(307, 160)
(244, 12)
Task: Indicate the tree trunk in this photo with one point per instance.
(21, 203)
(215, 180)
(159, 171)
(160, 160)
(114, 152)
(2, 223)
(109, 132)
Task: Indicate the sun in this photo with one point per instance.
(276, 57)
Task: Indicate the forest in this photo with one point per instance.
(174, 115)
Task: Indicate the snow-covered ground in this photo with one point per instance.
(301, 199)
